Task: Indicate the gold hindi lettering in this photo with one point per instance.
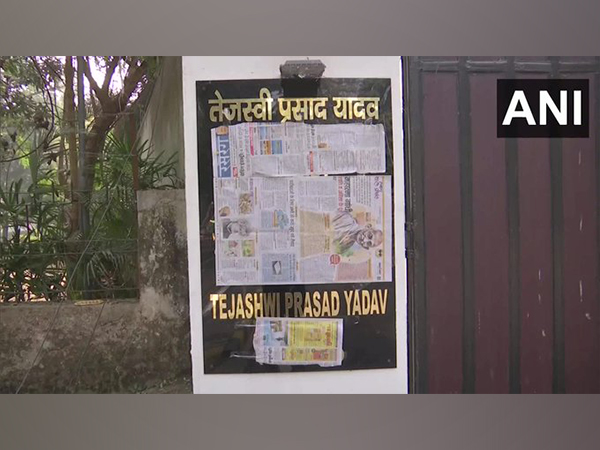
(299, 109)
(356, 107)
(234, 109)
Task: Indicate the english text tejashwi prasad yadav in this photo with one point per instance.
(330, 303)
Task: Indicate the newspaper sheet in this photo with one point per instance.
(289, 149)
(302, 230)
(283, 341)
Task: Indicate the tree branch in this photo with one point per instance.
(102, 97)
(135, 74)
(110, 70)
(110, 110)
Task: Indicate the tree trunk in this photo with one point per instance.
(62, 169)
(111, 108)
(93, 147)
(70, 131)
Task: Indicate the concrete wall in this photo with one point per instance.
(162, 125)
(136, 344)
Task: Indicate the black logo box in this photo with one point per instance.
(519, 128)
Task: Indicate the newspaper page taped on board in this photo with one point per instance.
(289, 149)
(284, 341)
(298, 230)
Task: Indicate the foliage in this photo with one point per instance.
(114, 213)
(32, 228)
(45, 252)
(27, 87)
(40, 260)
(156, 169)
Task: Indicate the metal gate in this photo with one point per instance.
(502, 235)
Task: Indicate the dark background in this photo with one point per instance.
(369, 341)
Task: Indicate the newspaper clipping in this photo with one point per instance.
(282, 341)
(290, 149)
(300, 230)
(278, 223)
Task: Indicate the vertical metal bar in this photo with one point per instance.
(16, 223)
(466, 192)
(83, 170)
(27, 223)
(132, 132)
(514, 269)
(556, 167)
(132, 136)
(39, 217)
(596, 124)
(63, 216)
(414, 162)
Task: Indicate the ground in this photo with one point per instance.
(177, 386)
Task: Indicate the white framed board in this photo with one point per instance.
(241, 269)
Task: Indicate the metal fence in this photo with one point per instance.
(42, 257)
